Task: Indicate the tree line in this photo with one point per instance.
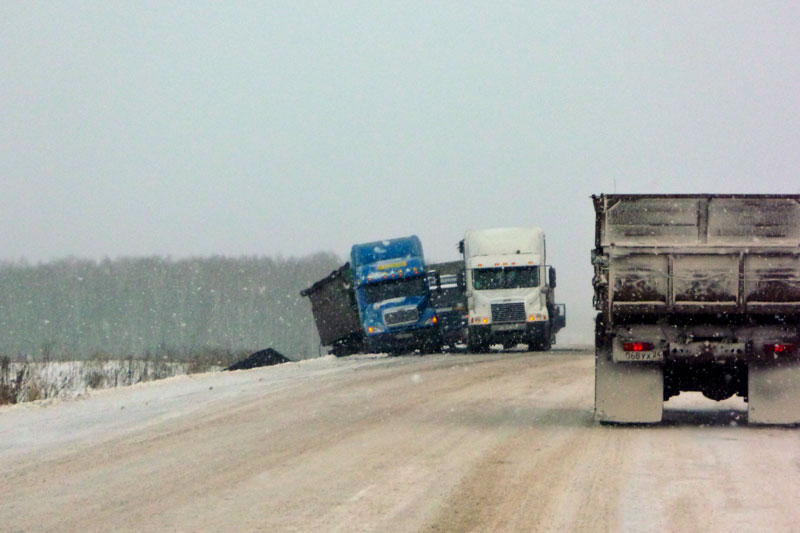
(76, 308)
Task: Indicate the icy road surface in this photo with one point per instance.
(494, 442)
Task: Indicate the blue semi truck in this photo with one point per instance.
(393, 297)
(378, 302)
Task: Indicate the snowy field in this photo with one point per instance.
(69, 379)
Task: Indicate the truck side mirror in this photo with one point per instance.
(461, 280)
(552, 278)
(461, 246)
(438, 282)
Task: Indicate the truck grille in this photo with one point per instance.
(401, 316)
(513, 312)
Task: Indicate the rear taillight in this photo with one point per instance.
(779, 349)
(637, 346)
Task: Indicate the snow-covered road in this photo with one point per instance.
(437, 443)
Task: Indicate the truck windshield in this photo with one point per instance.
(485, 279)
(394, 288)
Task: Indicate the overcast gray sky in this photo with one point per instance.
(286, 128)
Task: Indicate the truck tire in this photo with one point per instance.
(540, 345)
(625, 393)
(342, 350)
(477, 343)
(773, 392)
(536, 346)
(479, 347)
(542, 341)
(432, 347)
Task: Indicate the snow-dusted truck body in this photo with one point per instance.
(697, 293)
(510, 289)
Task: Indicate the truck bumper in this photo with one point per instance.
(760, 363)
(519, 332)
(427, 340)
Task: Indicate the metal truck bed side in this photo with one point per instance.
(661, 254)
(333, 306)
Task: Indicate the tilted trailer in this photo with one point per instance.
(333, 305)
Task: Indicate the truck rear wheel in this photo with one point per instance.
(628, 393)
(773, 392)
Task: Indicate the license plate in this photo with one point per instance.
(640, 356)
(506, 327)
(403, 336)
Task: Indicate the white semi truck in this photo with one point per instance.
(697, 293)
(510, 289)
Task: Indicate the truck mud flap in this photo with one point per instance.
(773, 392)
(628, 393)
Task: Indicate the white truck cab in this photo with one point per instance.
(510, 289)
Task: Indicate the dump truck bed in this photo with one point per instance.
(673, 254)
(334, 309)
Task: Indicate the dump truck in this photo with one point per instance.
(510, 289)
(697, 293)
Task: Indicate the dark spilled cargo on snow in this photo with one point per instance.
(697, 292)
(266, 357)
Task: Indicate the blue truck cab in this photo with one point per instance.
(393, 297)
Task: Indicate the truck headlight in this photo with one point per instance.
(373, 330)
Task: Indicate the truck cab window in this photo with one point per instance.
(395, 288)
(505, 278)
